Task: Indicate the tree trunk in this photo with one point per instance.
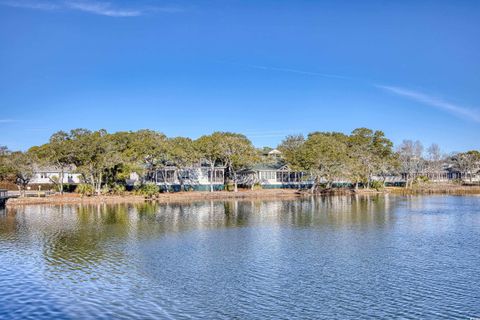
(99, 184)
(314, 185)
(92, 182)
(235, 184)
(20, 191)
(212, 172)
(180, 180)
(166, 181)
(61, 181)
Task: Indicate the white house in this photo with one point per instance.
(275, 153)
(51, 175)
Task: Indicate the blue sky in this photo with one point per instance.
(263, 68)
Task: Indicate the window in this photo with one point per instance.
(217, 176)
(184, 174)
(267, 175)
(166, 176)
(170, 175)
(283, 176)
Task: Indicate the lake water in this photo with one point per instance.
(334, 257)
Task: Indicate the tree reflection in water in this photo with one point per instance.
(82, 236)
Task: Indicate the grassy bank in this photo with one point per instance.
(73, 198)
(433, 188)
(343, 192)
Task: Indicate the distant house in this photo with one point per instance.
(274, 153)
(446, 173)
(51, 175)
(275, 175)
(449, 172)
(198, 178)
(133, 180)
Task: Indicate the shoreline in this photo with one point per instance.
(73, 198)
(265, 194)
(436, 189)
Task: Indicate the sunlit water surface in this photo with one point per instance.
(338, 257)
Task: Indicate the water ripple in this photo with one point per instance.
(358, 258)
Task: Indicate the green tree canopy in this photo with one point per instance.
(325, 156)
(238, 153)
(210, 150)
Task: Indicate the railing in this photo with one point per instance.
(3, 193)
(29, 193)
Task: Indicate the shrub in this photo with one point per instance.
(105, 190)
(118, 189)
(85, 189)
(257, 186)
(421, 180)
(377, 185)
(458, 181)
(148, 189)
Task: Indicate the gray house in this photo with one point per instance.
(197, 177)
(274, 175)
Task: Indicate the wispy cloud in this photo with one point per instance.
(455, 109)
(304, 72)
(35, 5)
(103, 8)
(287, 70)
(6, 120)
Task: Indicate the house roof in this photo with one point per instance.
(275, 152)
(268, 166)
(68, 169)
(195, 166)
